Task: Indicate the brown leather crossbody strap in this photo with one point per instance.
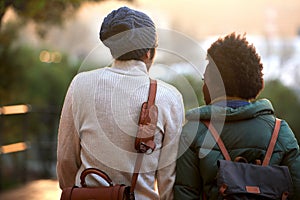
(225, 152)
(139, 159)
(272, 142)
(152, 93)
(217, 138)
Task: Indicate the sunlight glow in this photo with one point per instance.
(50, 57)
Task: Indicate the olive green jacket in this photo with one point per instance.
(245, 131)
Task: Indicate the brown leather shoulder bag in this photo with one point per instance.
(116, 192)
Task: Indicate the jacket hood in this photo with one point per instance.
(219, 113)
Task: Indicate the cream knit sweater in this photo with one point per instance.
(98, 126)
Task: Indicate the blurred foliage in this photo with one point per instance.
(44, 12)
(286, 103)
(24, 79)
(190, 87)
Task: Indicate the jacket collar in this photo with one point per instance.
(251, 110)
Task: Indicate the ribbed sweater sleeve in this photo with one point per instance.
(173, 114)
(68, 147)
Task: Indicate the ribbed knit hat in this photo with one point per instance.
(125, 30)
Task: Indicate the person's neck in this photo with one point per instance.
(228, 101)
(227, 98)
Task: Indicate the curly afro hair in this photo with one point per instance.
(239, 66)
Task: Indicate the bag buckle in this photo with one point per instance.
(144, 148)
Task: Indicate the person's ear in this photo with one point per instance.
(206, 94)
(148, 54)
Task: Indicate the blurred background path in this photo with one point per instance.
(35, 190)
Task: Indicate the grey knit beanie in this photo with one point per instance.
(126, 31)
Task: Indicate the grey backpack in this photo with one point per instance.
(240, 180)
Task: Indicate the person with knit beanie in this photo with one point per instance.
(99, 118)
(128, 33)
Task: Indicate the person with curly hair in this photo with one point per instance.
(233, 79)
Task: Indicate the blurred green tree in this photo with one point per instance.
(285, 102)
(40, 11)
(42, 85)
(190, 87)
(43, 11)
(10, 73)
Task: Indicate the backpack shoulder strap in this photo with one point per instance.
(272, 142)
(225, 152)
(218, 139)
